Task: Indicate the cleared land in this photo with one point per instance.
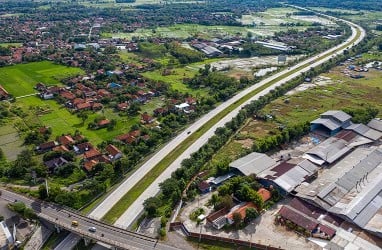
(20, 79)
(338, 92)
(10, 44)
(194, 30)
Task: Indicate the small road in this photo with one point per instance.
(63, 217)
(23, 96)
(136, 208)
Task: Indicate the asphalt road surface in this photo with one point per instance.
(108, 234)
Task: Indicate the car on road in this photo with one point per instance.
(92, 229)
(74, 223)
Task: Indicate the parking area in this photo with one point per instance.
(262, 230)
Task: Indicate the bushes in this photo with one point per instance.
(20, 208)
(195, 214)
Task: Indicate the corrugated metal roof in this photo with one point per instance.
(365, 131)
(338, 114)
(330, 124)
(308, 166)
(330, 149)
(253, 163)
(375, 124)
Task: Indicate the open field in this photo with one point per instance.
(175, 80)
(203, 31)
(113, 4)
(10, 44)
(305, 106)
(249, 66)
(10, 142)
(62, 121)
(20, 79)
(273, 17)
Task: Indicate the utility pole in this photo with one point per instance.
(47, 187)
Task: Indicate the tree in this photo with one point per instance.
(134, 109)
(258, 200)
(225, 202)
(222, 167)
(237, 219)
(2, 155)
(250, 214)
(215, 199)
(42, 193)
(83, 116)
(151, 206)
(23, 163)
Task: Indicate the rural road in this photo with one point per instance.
(136, 208)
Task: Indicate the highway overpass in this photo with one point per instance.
(62, 218)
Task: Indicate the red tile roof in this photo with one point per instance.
(112, 150)
(61, 148)
(241, 210)
(265, 194)
(3, 92)
(68, 95)
(89, 165)
(103, 122)
(85, 105)
(122, 106)
(298, 218)
(91, 153)
(65, 140)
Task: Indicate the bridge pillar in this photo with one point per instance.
(58, 228)
(87, 241)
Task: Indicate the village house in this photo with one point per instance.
(103, 123)
(113, 152)
(61, 148)
(146, 118)
(3, 93)
(66, 140)
(91, 154)
(122, 106)
(46, 146)
(55, 163)
(82, 147)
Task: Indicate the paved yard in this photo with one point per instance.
(262, 230)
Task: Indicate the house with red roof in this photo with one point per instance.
(83, 106)
(122, 106)
(103, 123)
(61, 148)
(67, 95)
(46, 146)
(240, 209)
(66, 140)
(113, 152)
(91, 154)
(147, 119)
(3, 93)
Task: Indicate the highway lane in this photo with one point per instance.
(134, 210)
(137, 207)
(104, 232)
